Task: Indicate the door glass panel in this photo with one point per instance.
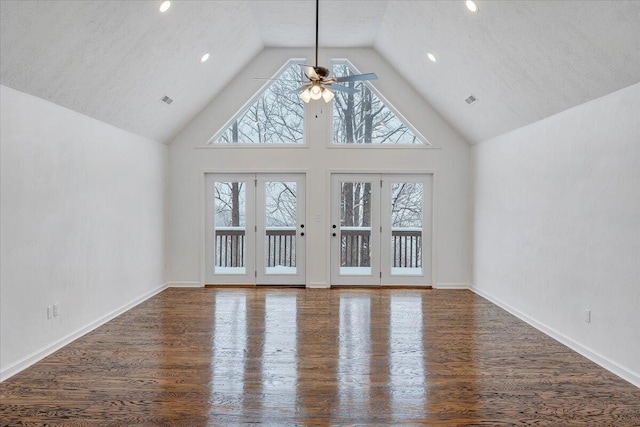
(230, 227)
(280, 227)
(355, 228)
(406, 228)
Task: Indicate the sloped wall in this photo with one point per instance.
(557, 227)
(188, 162)
(82, 224)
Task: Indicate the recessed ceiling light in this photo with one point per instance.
(472, 6)
(164, 6)
(204, 57)
(431, 57)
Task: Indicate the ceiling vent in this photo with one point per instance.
(166, 100)
(471, 99)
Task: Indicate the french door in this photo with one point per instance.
(381, 228)
(255, 229)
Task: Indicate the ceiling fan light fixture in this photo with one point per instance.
(471, 5)
(305, 95)
(316, 91)
(327, 95)
(164, 6)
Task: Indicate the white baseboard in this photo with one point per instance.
(318, 285)
(606, 363)
(452, 286)
(38, 355)
(185, 285)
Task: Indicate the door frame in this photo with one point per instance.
(201, 177)
(434, 217)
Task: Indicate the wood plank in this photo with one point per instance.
(226, 356)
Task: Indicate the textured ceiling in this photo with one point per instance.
(523, 60)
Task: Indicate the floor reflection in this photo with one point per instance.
(354, 354)
(229, 350)
(279, 356)
(407, 386)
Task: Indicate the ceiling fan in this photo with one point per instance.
(320, 85)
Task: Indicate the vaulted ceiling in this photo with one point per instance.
(522, 60)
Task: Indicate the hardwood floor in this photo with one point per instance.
(196, 357)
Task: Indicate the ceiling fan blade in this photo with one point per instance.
(357, 77)
(310, 72)
(339, 88)
(299, 89)
(279, 80)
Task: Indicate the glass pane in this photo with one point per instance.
(230, 222)
(355, 228)
(362, 117)
(275, 117)
(281, 222)
(406, 228)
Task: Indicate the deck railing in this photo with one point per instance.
(280, 245)
(229, 247)
(406, 247)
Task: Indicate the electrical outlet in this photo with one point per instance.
(56, 310)
(587, 316)
(49, 312)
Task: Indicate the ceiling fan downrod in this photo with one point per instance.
(317, 9)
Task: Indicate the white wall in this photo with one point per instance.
(187, 163)
(82, 224)
(557, 227)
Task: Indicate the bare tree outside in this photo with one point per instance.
(276, 116)
(281, 220)
(230, 222)
(406, 225)
(362, 118)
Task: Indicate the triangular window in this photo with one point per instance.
(273, 116)
(364, 117)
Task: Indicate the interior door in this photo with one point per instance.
(381, 226)
(255, 229)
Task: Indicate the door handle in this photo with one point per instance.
(334, 234)
(302, 234)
